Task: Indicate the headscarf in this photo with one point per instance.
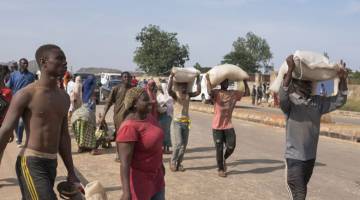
(152, 97)
(131, 96)
(78, 86)
(88, 88)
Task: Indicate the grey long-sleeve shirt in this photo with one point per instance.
(303, 121)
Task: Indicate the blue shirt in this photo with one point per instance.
(19, 80)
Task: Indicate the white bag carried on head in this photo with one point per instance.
(184, 75)
(95, 191)
(231, 72)
(309, 66)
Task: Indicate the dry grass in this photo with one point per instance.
(352, 105)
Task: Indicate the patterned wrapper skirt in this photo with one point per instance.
(84, 132)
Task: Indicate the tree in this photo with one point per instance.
(201, 69)
(159, 51)
(197, 66)
(251, 52)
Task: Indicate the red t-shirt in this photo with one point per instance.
(146, 171)
(225, 101)
(7, 95)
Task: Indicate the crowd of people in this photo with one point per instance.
(150, 119)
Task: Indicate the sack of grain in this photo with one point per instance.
(231, 72)
(185, 75)
(308, 66)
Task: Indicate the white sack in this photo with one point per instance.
(219, 73)
(308, 66)
(95, 191)
(185, 75)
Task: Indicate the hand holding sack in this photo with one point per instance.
(309, 66)
(231, 72)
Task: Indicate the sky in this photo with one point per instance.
(101, 33)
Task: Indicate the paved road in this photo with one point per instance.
(256, 169)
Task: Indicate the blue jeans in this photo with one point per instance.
(159, 196)
(180, 132)
(19, 130)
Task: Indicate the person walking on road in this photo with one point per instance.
(259, 94)
(253, 95)
(303, 113)
(181, 120)
(116, 97)
(223, 130)
(151, 90)
(44, 108)
(18, 80)
(165, 109)
(140, 140)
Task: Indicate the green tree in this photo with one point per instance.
(201, 69)
(197, 66)
(159, 51)
(251, 53)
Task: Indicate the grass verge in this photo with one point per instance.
(352, 105)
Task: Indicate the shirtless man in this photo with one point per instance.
(43, 106)
(181, 120)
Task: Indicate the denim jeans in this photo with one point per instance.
(180, 132)
(19, 130)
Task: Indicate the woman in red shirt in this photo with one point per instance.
(140, 141)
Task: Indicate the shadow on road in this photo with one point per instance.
(165, 160)
(260, 170)
(200, 149)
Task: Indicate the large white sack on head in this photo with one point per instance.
(308, 66)
(219, 73)
(185, 75)
(95, 191)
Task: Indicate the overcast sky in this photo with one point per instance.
(102, 33)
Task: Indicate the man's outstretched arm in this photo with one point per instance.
(65, 151)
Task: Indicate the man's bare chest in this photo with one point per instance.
(49, 106)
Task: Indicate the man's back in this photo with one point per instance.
(44, 116)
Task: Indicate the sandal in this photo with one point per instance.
(181, 168)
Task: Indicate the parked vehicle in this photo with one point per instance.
(203, 96)
(105, 77)
(106, 88)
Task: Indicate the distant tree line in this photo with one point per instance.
(159, 51)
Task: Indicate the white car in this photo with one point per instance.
(203, 96)
(106, 77)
